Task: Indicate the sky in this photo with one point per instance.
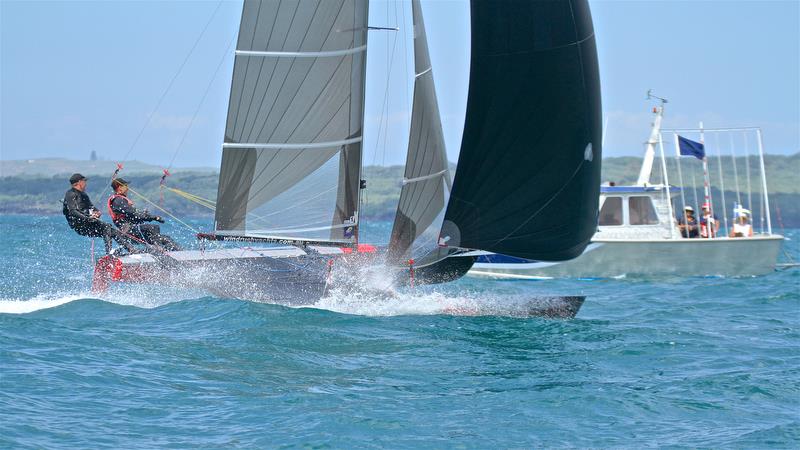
(149, 80)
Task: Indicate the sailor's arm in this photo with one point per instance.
(121, 206)
(94, 213)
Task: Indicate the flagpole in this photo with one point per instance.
(706, 187)
(683, 186)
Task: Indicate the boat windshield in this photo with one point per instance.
(611, 212)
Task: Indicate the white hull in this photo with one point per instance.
(608, 258)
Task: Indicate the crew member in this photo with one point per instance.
(687, 223)
(742, 227)
(132, 221)
(85, 219)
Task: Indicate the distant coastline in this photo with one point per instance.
(37, 186)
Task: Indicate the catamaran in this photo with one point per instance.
(638, 234)
(291, 172)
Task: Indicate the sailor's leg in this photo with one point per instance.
(148, 232)
(98, 229)
(123, 240)
(168, 243)
(107, 242)
(155, 237)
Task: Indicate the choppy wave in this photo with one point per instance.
(23, 306)
(697, 362)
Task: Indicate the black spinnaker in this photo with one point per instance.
(528, 176)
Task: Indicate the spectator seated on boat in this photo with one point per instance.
(742, 226)
(132, 221)
(709, 224)
(687, 223)
(82, 216)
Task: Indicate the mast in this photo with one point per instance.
(650, 146)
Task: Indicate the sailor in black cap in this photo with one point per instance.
(131, 220)
(84, 218)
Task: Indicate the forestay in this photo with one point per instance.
(292, 153)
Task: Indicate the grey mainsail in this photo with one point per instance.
(292, 153)
(426, 180)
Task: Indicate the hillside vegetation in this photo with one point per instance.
(38, 194)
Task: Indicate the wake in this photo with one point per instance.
(42, 301)
(140, 296)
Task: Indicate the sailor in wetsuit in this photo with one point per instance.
(132, 221)
(85, 219)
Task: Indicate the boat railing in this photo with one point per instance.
(717, 145)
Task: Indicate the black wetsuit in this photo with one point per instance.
(132, 221)
(78, 209)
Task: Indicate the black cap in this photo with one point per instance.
(75, 178)
(117, 182)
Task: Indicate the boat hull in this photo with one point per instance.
(729, 257)
(281, 276)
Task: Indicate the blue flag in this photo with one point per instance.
(689, 147)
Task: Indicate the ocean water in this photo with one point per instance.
(699, 362)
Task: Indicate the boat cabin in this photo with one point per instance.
(636, 212)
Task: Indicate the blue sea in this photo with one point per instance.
(698, 362)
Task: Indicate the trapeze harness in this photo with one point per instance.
(117, 216)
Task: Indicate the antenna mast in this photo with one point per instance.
(650, 146)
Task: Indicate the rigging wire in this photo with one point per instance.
(388, 107)
(164, 211)
(202, 100)
(721, 184)
(405, 67)
(747, 172)
(384, 105)
(735, 171)
(194, 198)
(694, 188)
(164, 94)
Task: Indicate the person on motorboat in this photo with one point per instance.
(132, 221)
(709, 224)
(84, 218)
(742, 226)
(687, 223)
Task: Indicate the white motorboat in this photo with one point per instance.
(638, 234)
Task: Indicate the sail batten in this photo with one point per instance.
(423, 178)
(330, 53)
(294, 146)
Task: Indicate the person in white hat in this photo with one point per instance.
(742, 226)
(687, 223)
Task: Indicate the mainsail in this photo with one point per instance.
(528, 175)
(292, 153)
(426, 180)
